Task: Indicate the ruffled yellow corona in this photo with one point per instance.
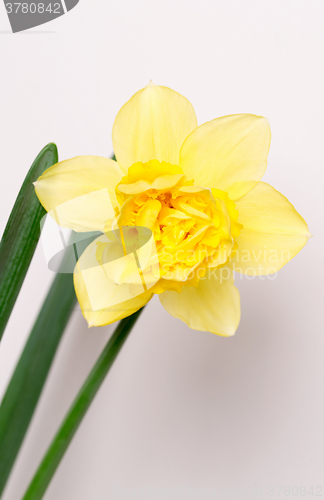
(198, 191)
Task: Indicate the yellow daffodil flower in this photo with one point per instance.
(198, 192)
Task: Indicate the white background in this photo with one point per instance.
(180, 408)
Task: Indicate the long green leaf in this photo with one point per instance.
(78, 409)
(21, 235)
(26, 384)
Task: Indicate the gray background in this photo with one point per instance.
(180, 408)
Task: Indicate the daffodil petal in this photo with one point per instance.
(101, 300)
(80, 193)
(229, 153)
(212, 306)
(273, 232)
(161, 183)
(152, 125)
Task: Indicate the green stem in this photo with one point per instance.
(26, 384)
(64, 436)
(21, 235)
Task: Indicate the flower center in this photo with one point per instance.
(194, 227)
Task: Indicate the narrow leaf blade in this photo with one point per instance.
(26, 384)
(21, 235)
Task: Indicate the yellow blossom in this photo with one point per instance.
(196, 190)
